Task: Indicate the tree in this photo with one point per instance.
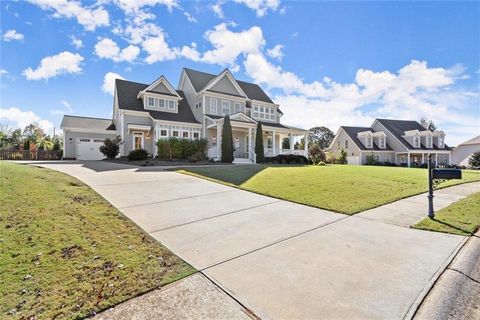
(110, 147)
(259, 144)
(56, 145)
(286, 143)
(322, 136)
(428, 124)
(342, 159)
(316, 154)
(227, 141)
(34, 133)
(26, 145)
(474, 160)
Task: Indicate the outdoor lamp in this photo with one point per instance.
(214, 140)
(70, 140)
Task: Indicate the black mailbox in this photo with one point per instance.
(447, 174)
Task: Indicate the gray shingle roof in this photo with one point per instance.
(87, 123)
(127, 92)
(200, 79)
(352, 132)
(398, 128)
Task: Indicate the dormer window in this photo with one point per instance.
(416, 141)
(441, 142)
(261, 112)
(381, 142)
(160, 104)
(429, 141)
(369, 142)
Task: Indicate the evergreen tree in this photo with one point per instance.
(26, 145)
(227, 141)
(259, 144)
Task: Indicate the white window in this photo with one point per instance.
(346, 144)
(429, 141)
(175, 133)
(151, 102)
(381, 142)
(369, 142)
(196, 135)
(440, 142)
(238, 107)
(338, 144)
(416, 141)
(255, 112)
(171, 105)
(213, 106)
(269, 142)
(138, 140)
(161, 103)
(163, 133)
(262, 112)
(377, 157)
(225, 107)
(185, 135)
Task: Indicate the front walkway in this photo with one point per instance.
(281, 260)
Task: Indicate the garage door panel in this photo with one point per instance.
(89, 149)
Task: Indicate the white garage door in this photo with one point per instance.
(88, 149)
(353, 160)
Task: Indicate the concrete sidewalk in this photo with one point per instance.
(283, 260)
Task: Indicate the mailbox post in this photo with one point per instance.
(441, 174)
(431, 213)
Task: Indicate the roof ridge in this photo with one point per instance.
(94, 118)
(124, 80)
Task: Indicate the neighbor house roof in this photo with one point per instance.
(87, 123)
(200, 79)
(398, 128)
(352, 132)
(475, 140)
(127, 94)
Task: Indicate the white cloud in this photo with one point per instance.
(217, 9)
(276, 52)
(90, 18)
(77, 43)
(62, 63)
(17, 118)
(67, 108)
(190, 17)
(228, 45)
(131, 6)
(190, 52)
(3, 72)
(11, 35)
(261, 7)
(158, 49)
(108, 49)
(109, 82)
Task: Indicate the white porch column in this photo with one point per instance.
(249, 141)
(219, 141)
(408, 159)
(436, 159)
(306, 145)
(273, 143)
(155, 139)
(291, 143)
(423, 158)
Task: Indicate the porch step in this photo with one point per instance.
(242, 161)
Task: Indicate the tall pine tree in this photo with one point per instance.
(227, 141)
(259, 144)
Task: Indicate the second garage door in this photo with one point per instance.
(88, 149)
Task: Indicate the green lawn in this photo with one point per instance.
(65, 252)
(340, 188)
(461, 217)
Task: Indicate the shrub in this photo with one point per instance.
(316, 154)
(370, 159)
(321, 163)
(227, 141)
(287, 159)
(138, 154)
(110, 147)
(330, 158)
(259, 144)
(474, 160)
(174, 148)
(342, 158)
(56, 145)
(26, 145)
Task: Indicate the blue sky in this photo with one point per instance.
(325, 63)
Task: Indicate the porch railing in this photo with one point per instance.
(295, 151)
(252, 156)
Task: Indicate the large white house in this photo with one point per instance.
(144, 113)
(462, 153)
(402, 142)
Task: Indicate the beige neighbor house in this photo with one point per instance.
(401, 142)
(463, 151)
(144, 113)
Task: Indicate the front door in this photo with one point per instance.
(239, 144)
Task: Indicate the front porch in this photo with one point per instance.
(277, 139)
(417, 158)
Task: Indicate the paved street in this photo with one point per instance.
(283, 260)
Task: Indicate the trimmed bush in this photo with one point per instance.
(110, 147)
(370, 159)
(138, 154)
(259, 144)
(342, 158)
(227, 141)
(287, 159)
(182, 149)
(316, 154)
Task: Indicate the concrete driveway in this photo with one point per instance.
(280, 260)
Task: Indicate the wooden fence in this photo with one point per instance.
(31, 155)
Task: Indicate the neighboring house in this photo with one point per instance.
(393, 141)
(144, 113)
(463, 151)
